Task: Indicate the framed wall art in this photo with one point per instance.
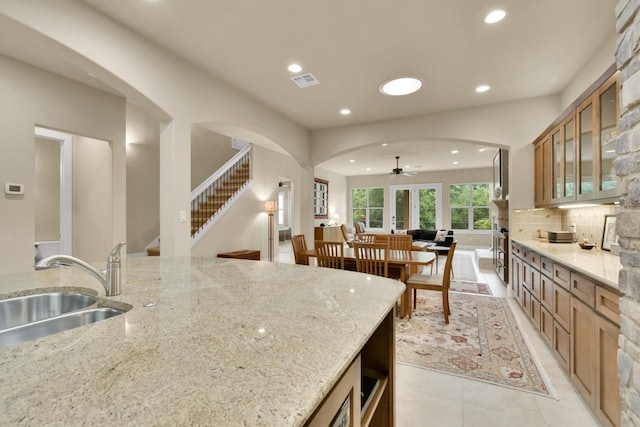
(609, 232)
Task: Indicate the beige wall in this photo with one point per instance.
(245, 224)
(47, 190)
(92, 199)
(143, 196)
(209, 151)
(41, 98)
(338, 197)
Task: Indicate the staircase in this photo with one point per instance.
(211, 199)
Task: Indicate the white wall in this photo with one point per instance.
(47, 190)
(41, 98)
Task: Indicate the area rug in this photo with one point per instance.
(481, 342)
(470, 287)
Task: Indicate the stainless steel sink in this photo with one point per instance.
(32, 308)
(45, 327)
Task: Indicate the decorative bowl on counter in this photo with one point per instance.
(586, 245)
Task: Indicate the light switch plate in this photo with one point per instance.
(183, 216)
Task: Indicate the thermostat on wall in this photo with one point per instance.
(13, 189)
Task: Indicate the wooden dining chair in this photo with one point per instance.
(432, 283)
(299, 244)
(330, 254)
(400, 248)
(364, 238)
(372, 258)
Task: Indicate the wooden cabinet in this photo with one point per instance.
(501, 255)
(594, 349)
(574, 156)
(543, 168)
(579, 319)
(344, 401)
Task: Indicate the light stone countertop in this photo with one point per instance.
(596, 264)
(230, 342)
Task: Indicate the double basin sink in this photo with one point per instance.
(29, 317)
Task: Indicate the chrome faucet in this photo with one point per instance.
(110, 278)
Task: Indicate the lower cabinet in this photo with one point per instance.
(579, 319)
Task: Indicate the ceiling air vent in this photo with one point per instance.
(305, 80)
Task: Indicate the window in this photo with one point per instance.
(368, 206)
(320, 198)
(470, 207)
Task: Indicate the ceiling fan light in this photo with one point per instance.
(401, 86)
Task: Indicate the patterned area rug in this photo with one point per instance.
(464, 273)
(482, 341)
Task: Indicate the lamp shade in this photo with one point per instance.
(270, 206)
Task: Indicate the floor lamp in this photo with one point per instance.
(270, 206)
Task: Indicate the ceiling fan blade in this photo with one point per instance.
(409, 173)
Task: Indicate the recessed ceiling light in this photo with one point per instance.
(454, 151)
(384, 145)
(294, 68)
(345, 111)
(455, 163)
(481, 150)
(495, 16)
(482, 88)
(352, 161)
(368, 169)
(407, 166)
(401, 86)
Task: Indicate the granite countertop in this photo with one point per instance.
(596, 264)
(229, 342)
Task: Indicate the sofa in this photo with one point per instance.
(432, 237)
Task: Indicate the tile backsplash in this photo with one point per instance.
(534, 223)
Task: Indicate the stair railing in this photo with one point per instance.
(217, 193)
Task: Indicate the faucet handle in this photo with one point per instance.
(114, 256)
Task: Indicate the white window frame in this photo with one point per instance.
(367, 208)
(471, 207)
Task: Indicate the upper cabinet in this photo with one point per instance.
(574, 156)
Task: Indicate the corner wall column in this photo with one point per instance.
(175, 188)
(628, 220)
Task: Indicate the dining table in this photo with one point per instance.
(398, 260)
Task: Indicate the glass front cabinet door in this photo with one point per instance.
(586, 166)
(609, 112)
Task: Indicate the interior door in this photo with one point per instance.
(53, 212)
(416, 206)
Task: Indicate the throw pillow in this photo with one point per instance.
(401, 231)
(440, 236)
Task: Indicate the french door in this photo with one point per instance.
(416, 206)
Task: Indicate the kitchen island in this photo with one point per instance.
(207, 342)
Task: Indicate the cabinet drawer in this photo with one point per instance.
(607, 304)
(562, 306)
(546, 266)
(583, 288)
(534, 260)
(534, 312)
(546, 291)
(516, 249)
(561, 345)
(562, 276)
(546, 326)
(526, 255)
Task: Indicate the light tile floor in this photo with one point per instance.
(429, 398)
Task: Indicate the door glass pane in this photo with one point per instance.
(608, 134)
(558, 182)
(569, 158)
(586, 150)
(427, 198)
(403, 210)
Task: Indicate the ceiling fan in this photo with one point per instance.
(398, 171)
